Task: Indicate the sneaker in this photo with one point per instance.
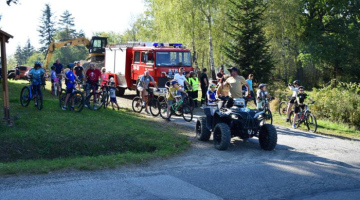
(35, 104)
(168, 119)
(63, 108)
(72, 108)
(118, 108)
(113, 108)
(147, 112)
(86, 106)
(287, 120)
(293, 126)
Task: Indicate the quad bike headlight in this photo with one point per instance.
(234, 117)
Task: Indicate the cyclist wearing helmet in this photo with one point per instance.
(299, 103)
(36, 76)
(261, 95)
(171, 96)
(211, 94)
(70, 85)
(295, 88)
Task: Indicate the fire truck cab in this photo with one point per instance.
(128, 62)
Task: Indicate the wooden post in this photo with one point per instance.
(5, 82)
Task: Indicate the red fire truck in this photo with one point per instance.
(128, 62)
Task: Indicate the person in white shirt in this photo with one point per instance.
(181, 79)
(295, 88)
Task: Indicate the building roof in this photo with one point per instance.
(7, 35)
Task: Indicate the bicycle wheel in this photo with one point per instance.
(268, 117)
(25, 96)
(93, 101)
(190, 102)
(187, 113)
(105, 99)
(283, 109)
(154, 105)
(311, 122)
(39, 99)
(163, 110)
(79, 101)
(137, 104)
(292, 114)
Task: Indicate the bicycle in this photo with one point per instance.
(153, 103)
(306, 117)
(79, 100)
(283, 106)
(27, 95)
(94, 101)
(105, 94)
(178, 108)
(267, 117)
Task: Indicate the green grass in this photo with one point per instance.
(325, 127)
(53, 139)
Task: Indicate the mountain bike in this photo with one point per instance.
(94, 101)
(79, 100)
(283, 106)
(27, 94)
(153, 103)
(178, 108)
(267, 117)
(305, 117)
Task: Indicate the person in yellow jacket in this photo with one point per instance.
(194, 83)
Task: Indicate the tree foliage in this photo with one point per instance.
(47, 28)
(247, 48)
(67, 25)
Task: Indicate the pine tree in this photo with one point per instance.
(248, 50)
(19, 55)
(47, 28)
(28, 50)
(67, 24)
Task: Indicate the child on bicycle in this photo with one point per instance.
(211, 94)
(172, 95)
(70, 85)
(299, 103)
(262, 94)
(36, 75)
(112, 90)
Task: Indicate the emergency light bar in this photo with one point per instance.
(175, 45)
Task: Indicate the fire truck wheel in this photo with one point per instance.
(120, 92)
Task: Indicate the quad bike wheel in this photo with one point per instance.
(222, 136)
(268, 137)
(202, 132)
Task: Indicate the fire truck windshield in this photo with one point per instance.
(173, 58)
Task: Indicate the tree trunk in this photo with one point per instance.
(193, 40)
(211, 54)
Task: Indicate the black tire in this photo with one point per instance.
(283, 109)
(137, 104)
(105, 98)
(190, 102)
(79, 101)
(39, 99)
(120, 92)
(11, 75)
(311, 122)
(268, 137)
(94, 105)
(268, 117)
(154, 106)
(62, 98)
(25, 96)
(187, 113)
(163, 111)
(292, 113)
(222, 136)
(202, 132)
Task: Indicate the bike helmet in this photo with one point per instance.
(296, 82)
(212, 85)
(262, 85)
(37, 63)
(301, 87)
(173, 82)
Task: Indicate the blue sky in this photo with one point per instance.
(22, 20)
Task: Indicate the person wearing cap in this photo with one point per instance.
(79, 72)
(211, 94)
(70, 85)
(171, 96)
(262, 94)
(236, 82)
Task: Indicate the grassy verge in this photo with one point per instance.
(325, 127)
(53, 139)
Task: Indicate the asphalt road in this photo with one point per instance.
(303, 166)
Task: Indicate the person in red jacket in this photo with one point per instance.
(92, 79)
